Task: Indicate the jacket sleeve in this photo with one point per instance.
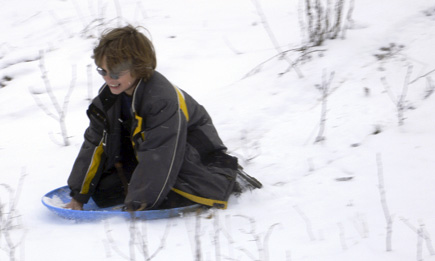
(89, 159)
(159, 144)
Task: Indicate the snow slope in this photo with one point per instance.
(320, 201)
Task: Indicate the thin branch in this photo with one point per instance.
(42, 106)
(111, 241)
(162, 241)
(423, 233)
(89, 76)
(60, 111)
(389, 90)
(422, 76)
(63, 112)
(349, 21)
(338, 12)
(10, 219)
(266, 241)
(401, 102)
(310, 20)
(216, 239)
(430, 87)
(361, 225)
(198, 256)
(142, 244)
(272, 37)
(420, 244)
(47, 83)
(252, 232)
(132, 240)
(307, 223)
(428, 240)
(282, 54)
(342, 237)
(384, 204)
(229, 238)
(70, 90)
(325, 93)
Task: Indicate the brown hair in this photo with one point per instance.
(126, 48)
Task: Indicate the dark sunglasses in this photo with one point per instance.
(103, 72)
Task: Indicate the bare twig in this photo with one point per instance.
(266, 241)
(339, 5)
(420, 244)
(361, 225)
(342, 236)
(310, 18)
(250, 148)
(305, 51)
(228, 237)
(112, 243)
(323, 21)
(60, 111)
(384, 203)
(10, 220)
(89, 76)
(422, 76)
(256, 238)
(132, 240)
(272, 37)
(319, 32)
(307, 223)
(401, 103)
(349, 21)
(389, 90)
(143, 241)
(142, 237)
(47, 83)
(198, 256)
(325, 93)
(428, 239)
(423, 233)
(216, 239)
(138, 240)
(261, 243)
(430, 87)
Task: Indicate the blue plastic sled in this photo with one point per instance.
(54, 201)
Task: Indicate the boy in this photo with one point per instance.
(149, 144)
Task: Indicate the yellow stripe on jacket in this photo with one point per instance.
(93, 168)
(182, 102)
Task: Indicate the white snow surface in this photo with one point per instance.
(320, 201)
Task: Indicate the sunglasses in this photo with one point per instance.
(114, 76)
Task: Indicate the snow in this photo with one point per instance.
(320, 201)
(54, 201)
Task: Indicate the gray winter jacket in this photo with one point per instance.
(176, 146)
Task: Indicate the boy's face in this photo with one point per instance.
(118, 82)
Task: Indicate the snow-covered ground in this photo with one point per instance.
(320, 201)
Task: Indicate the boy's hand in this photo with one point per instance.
(74, 205)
